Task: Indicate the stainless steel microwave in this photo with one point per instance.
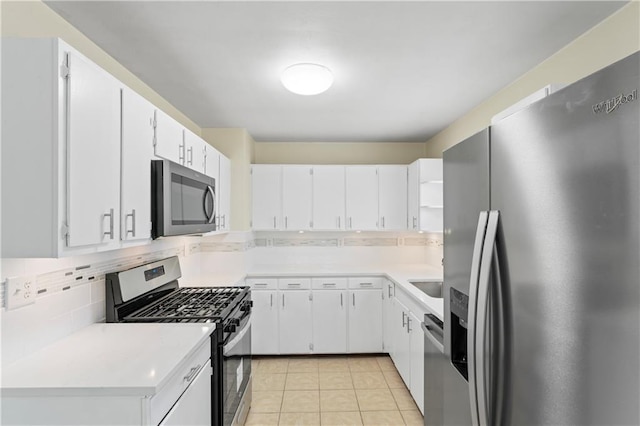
(183, 201)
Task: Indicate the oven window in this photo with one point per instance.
(189, 198)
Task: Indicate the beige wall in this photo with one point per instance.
(35, 19)
(238, 146)
(338, 152)
(613, 39)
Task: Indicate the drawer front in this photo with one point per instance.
(328, 283)
(262, 283)
(365, 282)
(294, 283)
(162, 402)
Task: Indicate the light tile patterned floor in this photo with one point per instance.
(330, 390)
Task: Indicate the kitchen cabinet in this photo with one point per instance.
(365, 315)
(135, 174)
(425, 190)
(329, 306)
(295, 323)
(361, 197)
(62, 113)
(416, 359)
(266, 184)
(223, 191)
(328, 198)
(169, 138)
(402, 342)
(264, 315)
(212, 163)
(296, 197)
(195, 152)
(194, 406)
(392, 195)
(388, 294)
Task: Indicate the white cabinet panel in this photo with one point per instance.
(137, 152)
(296, 197)
(295, 321)
(169, 137)
(264, 321)
(328, 198)
(388, 293)
(93, 152)
(392, 192)
(413, 195)
(425, 212)
(212, 163)
(361, 197)
(365, 321)
(416, 360)
(329, 321)
(224, 194)
(266, 183)
(194, 406)
(402, 340)
(195, 151)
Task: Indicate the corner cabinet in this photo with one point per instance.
(61, 151)
(425, 189)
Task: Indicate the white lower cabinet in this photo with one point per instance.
(401, 341)
(264, 322)
(365, 315)
(194, 406)
(329, 321)
(416, 356)
(388, 294)
(295, 321)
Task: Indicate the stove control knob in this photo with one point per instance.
(235, 321)
(246, 306)
(230, 328)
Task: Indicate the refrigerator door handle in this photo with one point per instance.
(473, 297)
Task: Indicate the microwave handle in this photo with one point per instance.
(211, 217)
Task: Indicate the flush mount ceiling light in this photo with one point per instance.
(307, 79)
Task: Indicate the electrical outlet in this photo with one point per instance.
(21, 291)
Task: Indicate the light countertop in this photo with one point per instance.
(106, 359)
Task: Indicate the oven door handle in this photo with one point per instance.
(238, 336)
(210, 192)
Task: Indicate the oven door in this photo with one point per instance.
(236, 373)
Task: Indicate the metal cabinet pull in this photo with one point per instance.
(353, 298)
(224, 221)
(192, 373)
(350, 223)
(271, 299)
(132, 215)
(338, 222)
(404, 323)
(341, 302)
(286, 222)
(366, 284)
(181, 148)
(283, 300)
(390, 295)
(414, 223)
(274, 222)
(110, 232)
(190, 160)
(383, 221)
(408, 324)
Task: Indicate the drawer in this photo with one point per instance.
(294, 283)
(328, 283)
(262, 283)
(167, 396)
(365, 282)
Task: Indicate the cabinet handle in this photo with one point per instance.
(181, 148)
(338, 222)
(286, 222)
(260, 284)
(190, 160)
(110, 232)
(409, 324)
(274, 222)
(132, 215)
(366, 284)
(341, 302)
(350, 223)
(283, 300)
(328, 284)
(224, 221)
(353, 298)
(414, 223)
(404, 322)
(271, 299)
(383, 221)
(192, 373)
(294, 284)
(390, 295)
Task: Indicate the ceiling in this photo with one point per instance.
(403, 70)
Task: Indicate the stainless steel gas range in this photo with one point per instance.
(150, 293)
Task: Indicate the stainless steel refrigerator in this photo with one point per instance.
(542, 261)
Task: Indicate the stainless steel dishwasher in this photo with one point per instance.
(435, 366)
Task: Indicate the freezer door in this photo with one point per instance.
(565, 179)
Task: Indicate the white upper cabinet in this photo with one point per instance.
(296, 197)
(328, 198)
(392, 192)
(361, 198)
(425, 203)
(266, 184)
(223, 191)
(169, 138)
(195, 151)
(413, 195)
(137, 152)
(212, 163)
(93, 147)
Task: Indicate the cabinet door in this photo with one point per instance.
(362, 197)
(169, 138)
(194, 405)
(365, 321)
(264, 322)
(401, 343)
(416, 360)
(266, 184)
(137, 152)
(212, 163)
(295, 322)
(329, 321)
(224, 193)
(328, 198)
(413, 195)
(388, 293)
(195, 151)
(93, 154)
(296, 197)
(392, 192)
